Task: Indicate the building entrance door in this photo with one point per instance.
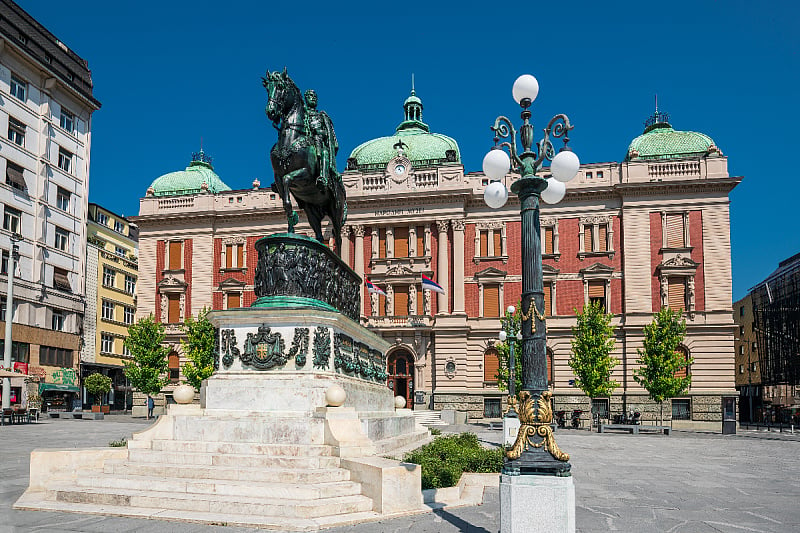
(400, 378)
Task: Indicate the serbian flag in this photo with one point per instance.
(373, 289)
(428, 283)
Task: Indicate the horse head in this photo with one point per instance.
(278, 86)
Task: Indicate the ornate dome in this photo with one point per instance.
(412, 138)
(660, 141)
(198, 177)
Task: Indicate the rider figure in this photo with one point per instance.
(320, 128)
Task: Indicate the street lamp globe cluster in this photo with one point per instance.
(535, 450)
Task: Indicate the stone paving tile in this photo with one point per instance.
(686, 483)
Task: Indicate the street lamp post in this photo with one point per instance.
(534, 450)
(6, 401)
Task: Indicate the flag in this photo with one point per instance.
(428, 283)
(373, 289)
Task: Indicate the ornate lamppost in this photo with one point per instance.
(535, 450)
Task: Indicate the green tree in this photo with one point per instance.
(511, 325)
(659, 359)
(147, 372)
(199, 349)
(592, 343)
(97, 384)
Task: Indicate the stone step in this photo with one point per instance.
(198, 446)
(240, 460)
(252, 429)
(429, 418)
(216, 503)
(198, 473)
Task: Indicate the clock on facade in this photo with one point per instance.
(399, 169)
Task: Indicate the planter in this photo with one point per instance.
(105, 408)
(183, 394)
(95, 408)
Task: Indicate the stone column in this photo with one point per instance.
(412, 241)
(458, 265)
(346, 245)
(358, 262)
(442, 273)
(374, 242)
(390, 241)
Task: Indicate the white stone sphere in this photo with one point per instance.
(495, 195)
(183, 394)
(554, 192)
(335, 396)
(496, 164)
(565, 165)
(399, 402)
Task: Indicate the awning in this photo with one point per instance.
(59, 387)
(14, 176)
(60, 280)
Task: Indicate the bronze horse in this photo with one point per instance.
(297, 165)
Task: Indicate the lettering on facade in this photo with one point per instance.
(401, 211)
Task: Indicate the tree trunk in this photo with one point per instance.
(661, 413)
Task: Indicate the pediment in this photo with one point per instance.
(491, 272)
(399, 270)
(231, 283)
(678, 262)
(547, 269)
(597, 268)
(170, 281)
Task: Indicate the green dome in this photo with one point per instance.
(413, 138)
(660, 141)
(198, 177)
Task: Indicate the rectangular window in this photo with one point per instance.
(600, 408)
(588, 244)
(741, 369)
(119, 227)
(14, 176)
(234, 300)
(741, 331)
(64, 160)
(62, 199)
(548, 299)
(129, 314)
(108, 310)
(106, 343)
(603, 238)
(382, 242)
(497, 244)
(174, 367)
(491, 301)
(16, 131)
(681, 410)
(4, 262)
(753, 366)
(741, 349)
(548, 246)
(401, 300)
(18, 87)
(102, 219)
(420, 241)
(599, 174)
(484, 252)
(234, 256)
(62, 239)
(109, 276)
(597, 293)
(401, 242)
(174, 308)
(125, 351)
(67, 121)
(120, 251)
(61, 279)
(675, 231)
(588, 175)
(175, 249)
(130, 284)
(20, 351)
(676, 294)
(381, 305)
(57, 322)
(2, 310)
(52, 356)
(492, 408)
(240, 255)
(420, 302)
(491, 366)
(11, 219)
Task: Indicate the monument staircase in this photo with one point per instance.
(429, 418)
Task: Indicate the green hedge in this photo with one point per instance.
(446, 458)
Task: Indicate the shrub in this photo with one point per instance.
(118, 443)
(446, 458)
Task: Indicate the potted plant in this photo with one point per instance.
(97, 385)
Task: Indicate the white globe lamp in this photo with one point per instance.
(511, 309)
(496, 164)
(565, 165)
(495, 195)
(502, 335)
(526, 87)
(554, 192)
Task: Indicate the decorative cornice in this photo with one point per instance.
(488, 224)
(458, 224)
(443, 225)
(595, 219)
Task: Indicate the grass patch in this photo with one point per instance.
(118, 443)
(447, 457)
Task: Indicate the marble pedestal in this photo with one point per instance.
(537, 504)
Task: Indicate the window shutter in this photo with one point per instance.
(676, 294)
(228, 256)
(683, 372)
(240, 255)
(401, 301)
(234, 300)
(61, 279)
(14, 175)
(548, 299)
(484, 243)
(675, 231)
(174, 308)
(175, 255)
(491, 365)
(491, 300)
(382, 242)
(548, 241)
(401, 242)
(420, 241)
(381, 305)
(587, 239)
(420, 302)
(498, 251)
(603, 238)
(597, 289)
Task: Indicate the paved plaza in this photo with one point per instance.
(685, 483)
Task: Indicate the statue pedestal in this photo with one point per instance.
(537, 504)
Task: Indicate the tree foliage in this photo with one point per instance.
(511, 325)
(97, 384)
(659, 359)
(147, 372)
(199, 349)
(592, 343)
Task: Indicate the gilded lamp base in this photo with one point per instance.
(535, 450)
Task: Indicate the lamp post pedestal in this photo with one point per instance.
(537, 504)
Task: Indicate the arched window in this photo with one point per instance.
(491, 365)
(174, 367)
(683, 372)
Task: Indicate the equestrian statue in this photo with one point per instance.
(304, 158)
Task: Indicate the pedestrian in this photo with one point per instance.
(150, 406)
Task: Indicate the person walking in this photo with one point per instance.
(150, 406)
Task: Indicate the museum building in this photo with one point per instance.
(648, 232)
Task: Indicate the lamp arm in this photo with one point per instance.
(558, 127)
(504, 129)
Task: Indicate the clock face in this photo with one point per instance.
(399, 169)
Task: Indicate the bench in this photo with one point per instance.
(666, 430)
(634, 429)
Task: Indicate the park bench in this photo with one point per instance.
(634, 429)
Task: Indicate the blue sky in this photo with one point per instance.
(169, 73)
